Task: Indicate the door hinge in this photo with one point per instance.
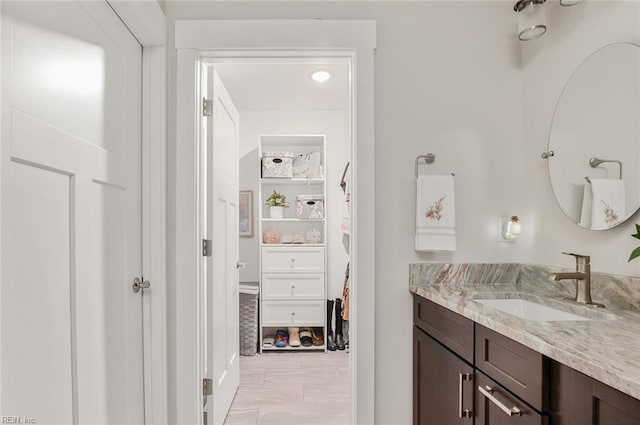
(207, 387)
(140, 283)
(207, 107)
(207, 247)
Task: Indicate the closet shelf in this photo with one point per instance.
(295, 182)
(300, 348)
(292, 244)
(294, 220)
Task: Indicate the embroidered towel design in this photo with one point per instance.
(435, 214)
(435, 211)
(611, 217)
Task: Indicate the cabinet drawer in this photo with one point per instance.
(521, 370)
(309, 285)
(293, 313)
(451, 329)
(493, 404)
(294, 259)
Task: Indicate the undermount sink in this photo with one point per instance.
(529, 310)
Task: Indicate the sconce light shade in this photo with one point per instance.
(509, 228)
(570, 2)
(532, 21)
(513, 228)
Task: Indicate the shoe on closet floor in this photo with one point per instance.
(268, 342)
(317, 338)
(305, 337)
(294, 337)
(281, 339)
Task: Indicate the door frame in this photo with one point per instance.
(198, 40)
(148, 24)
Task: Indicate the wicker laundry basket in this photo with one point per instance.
(249, 293)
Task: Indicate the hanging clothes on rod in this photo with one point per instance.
(345, 185)
(345, 295)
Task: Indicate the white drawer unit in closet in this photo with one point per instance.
(293, 313)
(293, 286)
(294, 259)
(293, 277)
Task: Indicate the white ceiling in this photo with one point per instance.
(285, 86)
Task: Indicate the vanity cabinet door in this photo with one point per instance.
(442, 384)
(577, 399)
(497, 406)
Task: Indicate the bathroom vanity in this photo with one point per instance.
(474, 364)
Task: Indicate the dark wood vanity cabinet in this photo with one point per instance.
(577, 399)
(465, 373)
(442, 384)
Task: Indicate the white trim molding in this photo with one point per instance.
(145, 20)
(147, 23)
(275, 34)
(202, 40)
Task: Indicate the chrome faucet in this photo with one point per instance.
(582, 277)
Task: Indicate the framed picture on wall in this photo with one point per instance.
(245, 211)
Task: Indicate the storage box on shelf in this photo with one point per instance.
(293, 258)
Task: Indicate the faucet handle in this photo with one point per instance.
(585, 258)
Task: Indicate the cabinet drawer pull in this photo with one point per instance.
(462, 412)
(487, 391)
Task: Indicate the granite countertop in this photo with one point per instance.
(606, 348)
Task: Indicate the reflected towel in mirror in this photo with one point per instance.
(603, 204)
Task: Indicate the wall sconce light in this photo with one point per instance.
(509, 228)
(532, 22)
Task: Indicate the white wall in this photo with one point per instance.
(335, 126)
(574, 33)
(448, 82)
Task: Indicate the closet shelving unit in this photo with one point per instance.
(293, 284)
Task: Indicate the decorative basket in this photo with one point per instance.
(277, 165)
(310, 206)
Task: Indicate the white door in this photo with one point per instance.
(221, 274)
(71, 342)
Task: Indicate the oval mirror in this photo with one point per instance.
(595, 139)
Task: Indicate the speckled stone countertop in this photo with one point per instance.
(606, 348)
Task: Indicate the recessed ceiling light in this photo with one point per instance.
(321, 76)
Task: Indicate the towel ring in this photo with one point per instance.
(594, 162)
(429, 159)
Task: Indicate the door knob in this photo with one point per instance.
(241, 265)
(139, 284)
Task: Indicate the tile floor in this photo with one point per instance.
(293, 389)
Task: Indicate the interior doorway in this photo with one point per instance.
(201, 41)
(297, 357)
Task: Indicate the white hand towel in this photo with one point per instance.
(608, 207)
(587, 206)
(435, 213)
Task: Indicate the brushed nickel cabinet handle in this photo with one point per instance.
(462, 412)
(487, 391)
